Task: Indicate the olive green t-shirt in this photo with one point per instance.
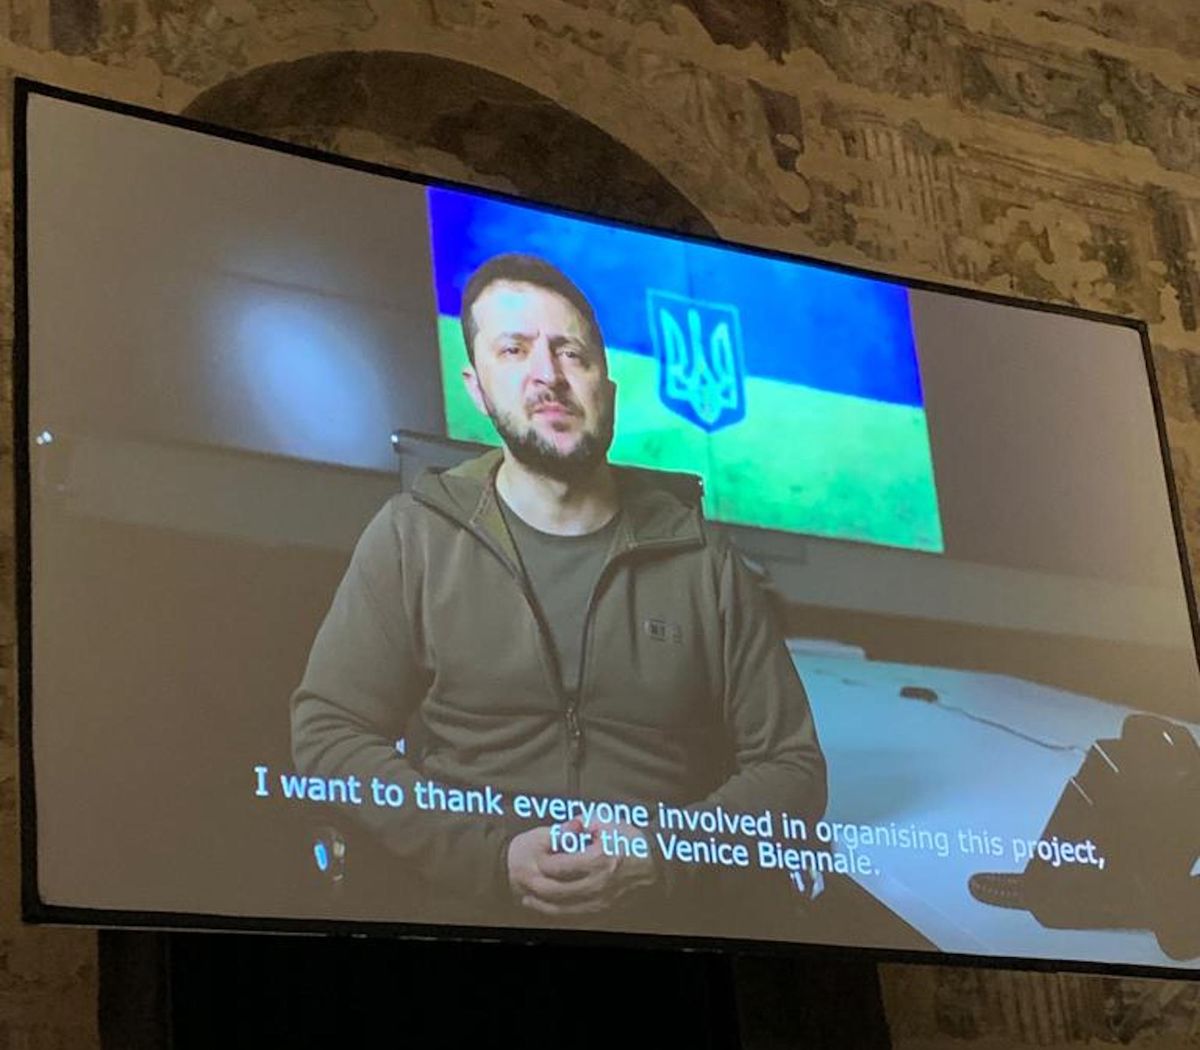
(562, 572)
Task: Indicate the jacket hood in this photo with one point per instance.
(658, 508)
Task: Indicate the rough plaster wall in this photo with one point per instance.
(1048, 148)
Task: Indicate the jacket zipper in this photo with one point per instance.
(574, 728)
(569, 703)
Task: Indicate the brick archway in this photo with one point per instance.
(442, 117)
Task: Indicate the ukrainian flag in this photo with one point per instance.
(793, 391)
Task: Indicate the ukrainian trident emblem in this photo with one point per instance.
(699, 348)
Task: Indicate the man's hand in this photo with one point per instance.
(583, 883)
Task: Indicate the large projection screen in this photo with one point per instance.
(396, 556)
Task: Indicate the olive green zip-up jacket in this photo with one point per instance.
(687, 694)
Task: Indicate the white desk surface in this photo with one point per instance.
(914, 762)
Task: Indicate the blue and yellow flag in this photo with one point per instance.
(793, 391)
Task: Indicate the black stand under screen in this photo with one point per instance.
(187, 991)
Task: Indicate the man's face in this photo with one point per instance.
(541, 380)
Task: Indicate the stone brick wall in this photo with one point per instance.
(1046, 148)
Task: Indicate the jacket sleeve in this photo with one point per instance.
(777, 758)
(360, 688)
(774, 753)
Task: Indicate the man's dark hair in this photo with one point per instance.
(524, 269)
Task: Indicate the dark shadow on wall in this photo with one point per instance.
(450, 119)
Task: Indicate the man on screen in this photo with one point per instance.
(537, 621)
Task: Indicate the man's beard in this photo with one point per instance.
(533, 451)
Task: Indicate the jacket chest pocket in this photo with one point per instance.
(652, 668)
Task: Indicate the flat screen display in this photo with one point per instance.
(399, 556)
